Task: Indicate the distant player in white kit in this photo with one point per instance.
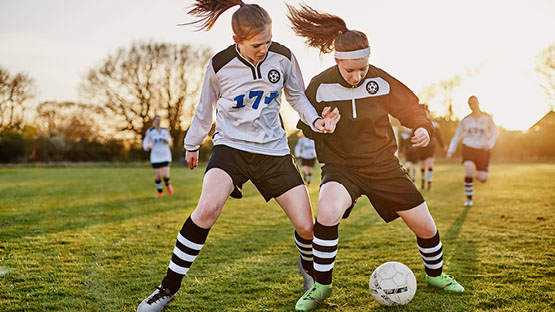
(306, 152)
(478, 133)
(157, 141)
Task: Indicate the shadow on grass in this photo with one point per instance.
(71, 217)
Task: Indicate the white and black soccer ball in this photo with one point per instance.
(392, 283)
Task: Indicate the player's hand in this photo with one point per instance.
(166, 141)
(192, 159)
(329, 120)
(421, 138)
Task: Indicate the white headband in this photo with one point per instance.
(352, 55)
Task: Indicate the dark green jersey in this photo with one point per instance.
(363, 136)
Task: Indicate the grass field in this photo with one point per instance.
(96, 239)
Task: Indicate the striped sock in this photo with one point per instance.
(166, 181)
(304, 246)
(413, 177)
(190, 240)
(431, 252)
(422, 177)
(324, 250)
(468, 187)
(158, 185)
(430, 176)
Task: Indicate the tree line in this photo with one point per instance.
(124, 91)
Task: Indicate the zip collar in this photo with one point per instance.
(256, 72)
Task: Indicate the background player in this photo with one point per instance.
(409, 151)
(306, 152)
(426, 154)
(157, 141)
(479, 134)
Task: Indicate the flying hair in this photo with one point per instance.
(249, 19)
(324, 31)
(208, 12)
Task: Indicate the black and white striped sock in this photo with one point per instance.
(304, 246)
(431, 252)
(324, 250)
(166, 181)
(430, 176)
(190, 240)
(468, 187)
(158, 185)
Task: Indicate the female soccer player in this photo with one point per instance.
(409, 151)
(359, 158)
(244, 84)
(427, 154)
(306, 152)
(478, 133)
(157, 140)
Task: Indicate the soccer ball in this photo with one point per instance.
(392, 283)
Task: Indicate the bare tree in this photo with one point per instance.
(146, 79)
(73, 121)
(545, 65)
(15, 91)
(444, 90)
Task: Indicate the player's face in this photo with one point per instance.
(256, 47)
(474, 105)
(156, 121)
(353, 71)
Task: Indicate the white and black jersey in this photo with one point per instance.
(247, 101)
(475, 133)
(159, 150)
(305, 149)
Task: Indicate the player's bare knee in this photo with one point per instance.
(482, 177)
(306, 231)
(427, 231)
(329, 216)
(207, 212)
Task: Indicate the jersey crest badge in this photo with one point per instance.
(372, 87)
(273, 76)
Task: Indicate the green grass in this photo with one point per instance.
(96, 239)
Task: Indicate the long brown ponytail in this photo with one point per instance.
(249, 19)
(325, 31)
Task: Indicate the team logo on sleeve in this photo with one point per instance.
(372, 87)
(274, 76)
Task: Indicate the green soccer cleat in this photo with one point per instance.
(313, 297)
(444, 282)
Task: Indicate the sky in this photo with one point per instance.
(418, 42)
